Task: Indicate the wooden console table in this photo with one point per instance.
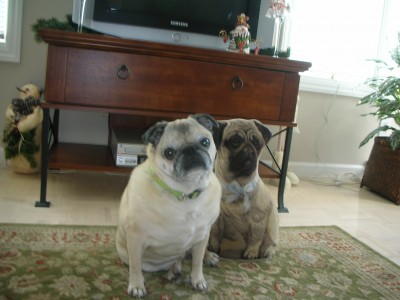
(136, 80)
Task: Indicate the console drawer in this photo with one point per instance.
(92, 78)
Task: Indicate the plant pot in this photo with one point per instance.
(382, 173)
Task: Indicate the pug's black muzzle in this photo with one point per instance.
(192, 157)
(244, 163)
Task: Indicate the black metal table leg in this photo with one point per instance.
(55, 125)
(284, 167)
(44, 157)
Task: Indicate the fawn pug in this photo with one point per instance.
(248, 225)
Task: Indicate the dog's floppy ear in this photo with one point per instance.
(207, 121)
(219, 133)
(154, 133)
(264, 131)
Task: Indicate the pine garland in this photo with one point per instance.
(271, 51)
(54, 23)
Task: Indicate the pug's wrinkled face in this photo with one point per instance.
(241, 144)
(183, 152)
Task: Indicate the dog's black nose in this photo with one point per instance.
(189, 150)
(243, 163)
(193, 157)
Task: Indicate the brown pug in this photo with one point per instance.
(170, 202)
(248, 225)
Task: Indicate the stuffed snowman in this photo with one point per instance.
(23, 130)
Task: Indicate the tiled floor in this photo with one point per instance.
(93, 199)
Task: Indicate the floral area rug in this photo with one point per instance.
(71, 262)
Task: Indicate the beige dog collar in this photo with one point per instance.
(179, 195)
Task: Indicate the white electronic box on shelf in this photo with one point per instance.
(127, 147)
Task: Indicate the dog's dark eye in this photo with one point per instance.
(169, 153)
(235, 141)
(255, 141)
(205, 142)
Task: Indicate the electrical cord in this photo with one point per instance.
(336, 179)
(332, 179)
(326, 121)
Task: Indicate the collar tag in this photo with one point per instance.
(195, 194)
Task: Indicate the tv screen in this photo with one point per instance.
(185, 22)
(204, 17)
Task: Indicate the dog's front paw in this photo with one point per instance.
(211, 258)
(174, 272)
(269, 252)
(137, 292)
(199, 285)
(251, 252)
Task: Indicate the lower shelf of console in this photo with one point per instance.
(71, 156)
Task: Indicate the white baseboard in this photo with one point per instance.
(306, 170)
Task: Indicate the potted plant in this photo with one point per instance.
(382, 172)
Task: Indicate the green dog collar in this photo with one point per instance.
(179, 195)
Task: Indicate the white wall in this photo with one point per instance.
(330, 127)
(331, 130)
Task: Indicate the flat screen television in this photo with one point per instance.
(185, 22)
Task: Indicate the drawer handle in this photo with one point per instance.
(123, 72)
(237, 83)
